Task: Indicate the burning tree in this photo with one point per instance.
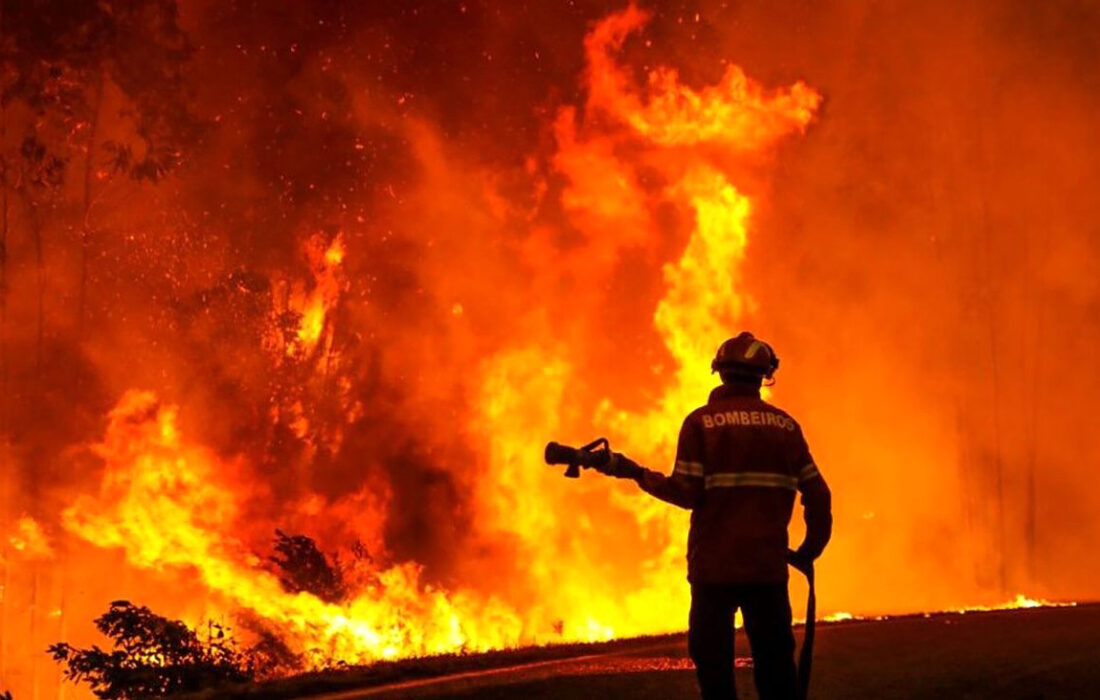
(304, 567)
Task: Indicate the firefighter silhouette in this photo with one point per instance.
(739, 463)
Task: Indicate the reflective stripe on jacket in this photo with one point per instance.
(739, 462)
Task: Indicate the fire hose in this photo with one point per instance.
(806, 655)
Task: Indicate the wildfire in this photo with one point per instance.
(1021, 601)
(703, 299)
(171, 504)
(342, 293)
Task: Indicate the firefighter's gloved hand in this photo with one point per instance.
(620, 466)
(801, 560)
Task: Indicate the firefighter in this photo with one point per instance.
(739, 462)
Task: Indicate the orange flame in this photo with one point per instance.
(170, 504)
(442, 285)
(702, 302)
(315, 306)
(736, 114)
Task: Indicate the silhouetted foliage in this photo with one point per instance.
(153, 657)
(303, 567)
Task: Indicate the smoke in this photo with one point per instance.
(917, 270)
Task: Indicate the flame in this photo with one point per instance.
(29, 540)
(170, 506)
(703, 300)
(1020, 602)
(315, 306)
(376, 360)
(737, 113)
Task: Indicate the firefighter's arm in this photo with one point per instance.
(684, 487)
(816, 509)
(677, 489)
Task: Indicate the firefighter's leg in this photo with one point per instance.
(710, 640)
(767, 612)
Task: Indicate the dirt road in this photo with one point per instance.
(1043, 653)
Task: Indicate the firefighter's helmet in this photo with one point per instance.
(745, 354)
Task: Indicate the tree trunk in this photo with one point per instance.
(40, 283)
(6, 580)
(3, 262)
(991, 289)
(1000, 536)
(4, 496)
(33, 637)
(3, 282)
(63, 622)
(85, 223)
(1035, 401)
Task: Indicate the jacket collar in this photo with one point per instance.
(729, 391)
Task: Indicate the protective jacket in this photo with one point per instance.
(739, 462)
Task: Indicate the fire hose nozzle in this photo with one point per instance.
(595, 453)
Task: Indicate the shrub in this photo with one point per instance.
(153, 656)
(303, 567)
